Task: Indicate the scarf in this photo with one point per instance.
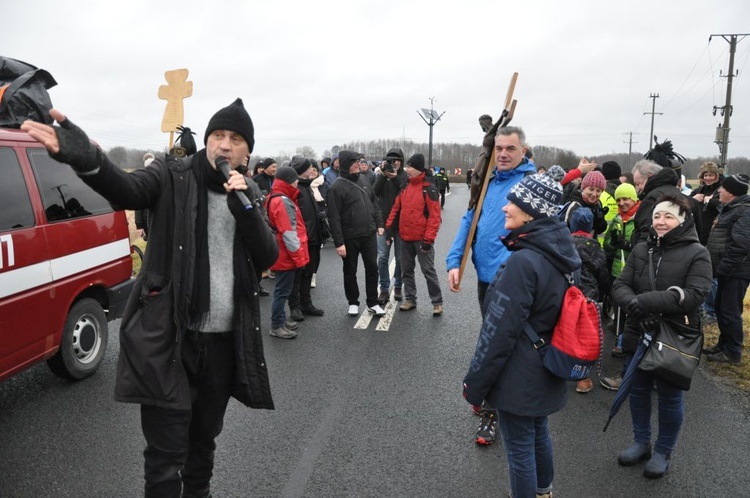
(627, 215)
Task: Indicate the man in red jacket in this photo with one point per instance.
(291, 235)
(417, 209)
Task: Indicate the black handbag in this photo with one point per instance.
(675, 350)
(674, 353)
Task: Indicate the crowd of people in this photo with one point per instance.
(191, 334)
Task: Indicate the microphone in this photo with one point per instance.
(223, 166)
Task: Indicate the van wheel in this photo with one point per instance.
(84, 341)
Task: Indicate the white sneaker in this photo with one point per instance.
(377, 310)
(353, 310)
(312, 282)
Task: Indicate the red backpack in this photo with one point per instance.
(576, 339)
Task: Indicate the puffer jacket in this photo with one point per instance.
(420, 197)
(682, 270)
(506, 369)
(729, 242)
(291, 233)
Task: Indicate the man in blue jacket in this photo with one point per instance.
(488, 251)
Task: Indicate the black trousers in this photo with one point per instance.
(368, 248)
(300, 296)
(180, 443)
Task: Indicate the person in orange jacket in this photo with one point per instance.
(417, 209)
(291, 235)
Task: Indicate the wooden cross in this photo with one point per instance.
(176, 89)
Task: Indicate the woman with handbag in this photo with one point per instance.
(666, 277)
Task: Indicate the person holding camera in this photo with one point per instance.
(391, 179)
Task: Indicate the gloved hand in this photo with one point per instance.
(76, 149)
(635, 309)
(322, 216)
(425, 247)
(651, 322)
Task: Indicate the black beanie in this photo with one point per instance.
(611, 170)
(287, 174)
(234, 118)
(736, 184)
(267, 162)
(416, 161)
(300, 164)
(347, 158)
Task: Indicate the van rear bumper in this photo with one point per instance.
(117, 297)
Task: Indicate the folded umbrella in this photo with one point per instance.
(627, 379)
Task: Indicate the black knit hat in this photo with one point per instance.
(300, 164)
(611, 170)
(287, 174)
(234, 118)
(347, 158)
(736, 184)
(326, 160)
(416, 161)
(267, 162)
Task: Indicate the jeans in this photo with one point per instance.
(730, 292)
(671, 411)
(180, 443)
(528, 447)
(410, 251)
(708, 305)
(368, 247)
(384, 252)
(282, 290)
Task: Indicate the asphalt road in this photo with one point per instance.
(361, 413)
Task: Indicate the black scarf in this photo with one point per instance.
(206, 178)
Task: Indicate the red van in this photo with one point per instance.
(65, 265)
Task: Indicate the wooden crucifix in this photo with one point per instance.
(176, 89)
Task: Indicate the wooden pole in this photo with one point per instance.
(505, 117)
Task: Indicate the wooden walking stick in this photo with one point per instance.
(505, 117)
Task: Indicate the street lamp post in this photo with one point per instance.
(432, 118)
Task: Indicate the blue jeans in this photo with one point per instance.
(384, 252)
(528, 447)
(730, 294)
(708, 305)
(283, 288)
(671, 411)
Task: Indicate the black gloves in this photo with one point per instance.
(76, 149)
(651, 323)
(635, 309)
(425, 247)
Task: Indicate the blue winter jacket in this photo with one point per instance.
(488, 251)
(506, 370)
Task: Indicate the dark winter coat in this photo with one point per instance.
(729, 242)
(149, 369)
(352, 208)
(507, 370)
(576, 201)
(386, 190)
(709, 210)
(595, 278)
(264, 181)
(680, 261)
(310, 211)
(417, 208)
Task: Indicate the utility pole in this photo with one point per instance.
(653, 96)
(722, 131)
(434, 118)
(630, 148)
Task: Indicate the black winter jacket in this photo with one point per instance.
(595, 277)
(309, 209)
(149, 369)
(507, 370)
(680, 261)
(710, 210)
(352, 208)
(729, 242)
(387, 189)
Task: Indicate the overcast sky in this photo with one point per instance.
(320, 73)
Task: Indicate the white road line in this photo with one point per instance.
(384, 323)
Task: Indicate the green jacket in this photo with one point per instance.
(618, 242)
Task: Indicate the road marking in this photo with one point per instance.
(384, 322)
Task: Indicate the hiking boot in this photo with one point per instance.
(657, 466)
(397, 294)
(283, 333)
(487, 431)
(407, 305)
(383, 297)
(610, 383)
(633, 454)
(291, 325)
(437, 309)
(584, 386)
(353, 310)
(376, 310)
(722, 357)
(297, 315)
(313, 282)
(617, 352)
(713, 349)
(312, 311)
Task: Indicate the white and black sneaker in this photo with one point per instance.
(353, 310)
(487, 431)
(376, 310)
